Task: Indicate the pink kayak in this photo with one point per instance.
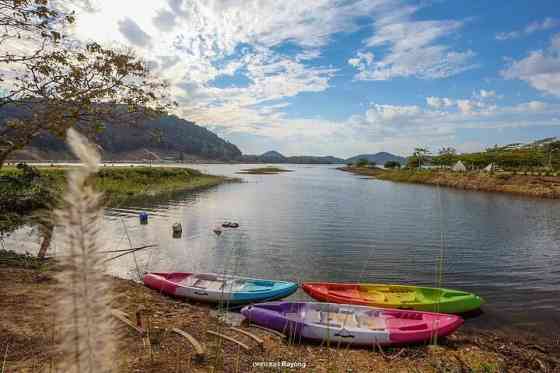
(351, 324)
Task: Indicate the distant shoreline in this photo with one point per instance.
(539, 186)
(158, 163)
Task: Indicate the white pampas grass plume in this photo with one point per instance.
(84, 314)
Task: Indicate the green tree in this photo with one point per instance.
(446, 156)
(392, 164)
(59, 87)
(362, 162)
(552, 148)
(419, 156)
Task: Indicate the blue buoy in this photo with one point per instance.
(143, 218)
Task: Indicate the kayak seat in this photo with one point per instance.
(209, 285)
(371, 323)
(421, 326)
(333, 319)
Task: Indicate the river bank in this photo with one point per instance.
(26, 190)
(504, 182)
(28, 338)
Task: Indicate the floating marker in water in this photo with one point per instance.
(177, 230)
(229, 224)
(143, 218)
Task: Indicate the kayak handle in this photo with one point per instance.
(343, 335)
(200, 293)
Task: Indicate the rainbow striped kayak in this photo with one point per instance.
(395, 296)
(350, 324)
(216, 288)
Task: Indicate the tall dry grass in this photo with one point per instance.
(83, 319)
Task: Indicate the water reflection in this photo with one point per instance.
(318, 223)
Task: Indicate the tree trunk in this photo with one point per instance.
(3, 156)
(46, 233)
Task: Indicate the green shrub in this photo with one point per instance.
(362, 163)
(392, 164)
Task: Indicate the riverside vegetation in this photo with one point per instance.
(533, 184)
(531, 169)
(26, 190)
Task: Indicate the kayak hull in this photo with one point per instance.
(216, 288)
(351, 324)
(395, 296)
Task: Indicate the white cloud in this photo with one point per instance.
(545, 24)
(541, 68)
(133, 33)
(439, 102)
(487, 94)
(405, 127)
(508, 35)
(412, 48)
(362, 61)
(480, 100)
(195, 42)
(309, 54)
(466, 106)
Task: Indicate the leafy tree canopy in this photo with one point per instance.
(62, 83)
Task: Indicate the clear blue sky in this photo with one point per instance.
(343, 77)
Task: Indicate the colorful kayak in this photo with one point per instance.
(349, 324)
(211, 287)
(395, 296)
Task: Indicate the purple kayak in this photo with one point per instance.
(351, 324)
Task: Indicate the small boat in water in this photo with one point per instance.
(350, 324)
(211, 287)
(395, 296)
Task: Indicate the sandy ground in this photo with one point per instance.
(28, 338)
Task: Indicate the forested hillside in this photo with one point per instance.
(167, 137)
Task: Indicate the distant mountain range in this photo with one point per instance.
(275, 157)
(167, 138)
(378, 158)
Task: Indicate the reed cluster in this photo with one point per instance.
(84, 319)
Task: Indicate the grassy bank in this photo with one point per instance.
(268, 170)
(506, 182)
(29, 337)
(25, 191)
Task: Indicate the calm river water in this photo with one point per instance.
(318, 223)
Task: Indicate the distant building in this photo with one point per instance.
(489, 168)
(459, 167)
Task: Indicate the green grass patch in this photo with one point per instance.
(15, 260)
(268, 170)
(121, 184)
(26, 191)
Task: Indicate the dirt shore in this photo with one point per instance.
(503, 182)
(28, 337)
